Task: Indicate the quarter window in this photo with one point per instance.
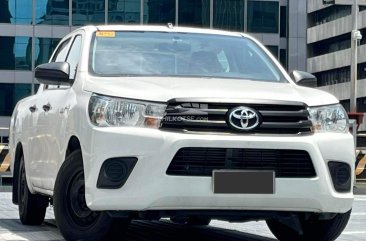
(61, 52)
(74, 55)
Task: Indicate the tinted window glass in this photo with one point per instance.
(15, 53)
(159, 11)
(194, 13)
(124, 11)
(181, 54)
(7, 60)
(10, 94)
(263, 17)
(283, 23)
(88, 12)
(61, 53)
(18, 11)
(274, 50)
(52, 12)
(228, 14)
(283, 58)
(74, 55)
(5, 15)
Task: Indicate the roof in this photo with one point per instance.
(165, 28)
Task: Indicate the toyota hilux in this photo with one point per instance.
(151, 122)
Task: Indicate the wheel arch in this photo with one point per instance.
(73, 145)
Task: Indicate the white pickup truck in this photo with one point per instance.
(146, 122)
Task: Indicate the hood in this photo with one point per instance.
(162, 89)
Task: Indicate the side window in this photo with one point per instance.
(74, 56)
(61, 52)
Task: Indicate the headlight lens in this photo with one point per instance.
(331, 118)
(109, 111)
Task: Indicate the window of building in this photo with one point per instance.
(159, 11)
(194, 13)
(334, 44)
(263, 17)
(363, 33)
(5, 15)
(361, 107)
(340, 75)
(44, 48)
(10, 94)
(283, 57)
(273, 49)
(17, 12)
(88, 12)
(283, 21)
(332, 77)
(362, 71)
(52, 12)
(7, 60)
(228, 14)
(15, 53)
(328, 14)
(124, 11)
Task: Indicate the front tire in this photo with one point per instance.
(32, 207)
(74, 219)
(313, 230)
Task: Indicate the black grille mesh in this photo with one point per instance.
(197, 161)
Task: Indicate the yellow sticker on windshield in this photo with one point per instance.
(106, 34)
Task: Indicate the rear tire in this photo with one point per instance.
(32, 207)
(74, 219)
(313, 230)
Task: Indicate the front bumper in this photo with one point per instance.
(150, 188)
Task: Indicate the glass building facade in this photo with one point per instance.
(31, 29)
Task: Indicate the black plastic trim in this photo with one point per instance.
(106, 181)
(343, 185)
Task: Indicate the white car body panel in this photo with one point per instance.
(162, 89)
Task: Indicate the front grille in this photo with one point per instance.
(197, 161)
(201, 116)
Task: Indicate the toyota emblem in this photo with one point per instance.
(243, 118)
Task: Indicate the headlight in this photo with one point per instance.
(109, 111)
(331, 118)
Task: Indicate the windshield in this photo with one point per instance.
(180, 54)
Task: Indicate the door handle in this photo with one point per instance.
(33, 108)
(64, 109)
(46, 107)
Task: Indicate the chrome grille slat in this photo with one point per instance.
(276, 118)
(300, 113)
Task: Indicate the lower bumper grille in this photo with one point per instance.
(197, 161)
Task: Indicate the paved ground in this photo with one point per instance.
(11, 229)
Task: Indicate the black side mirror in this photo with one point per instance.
(55, 73)
(304, 78)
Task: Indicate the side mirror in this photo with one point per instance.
(304, 78)
(55, 73)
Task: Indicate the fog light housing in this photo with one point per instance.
(341, 176)
(115, 172)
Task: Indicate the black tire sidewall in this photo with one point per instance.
(22, 204)
(71, 230)
(32, 209)
(313, 230)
